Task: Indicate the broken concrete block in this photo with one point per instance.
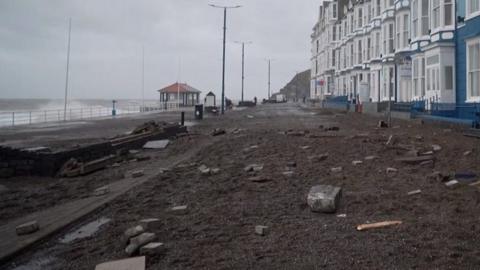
(204, 169)
(253, 168)
(336, 170)
(154, 248)
(324, 198)
(161, 144)
(150, 223)
(391, 170)
(101, 191)
(428, 153)
(137, 263)
(436, 148)
(357, 162)
(427, 163)
(414, 192)
(138, 241)
(371, 158)
(27, 228)
(134, 231)
(138, 173)
(452, 184)
(180, 210)
(261, 230)
(218, 132)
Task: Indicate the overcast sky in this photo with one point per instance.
(108, 35)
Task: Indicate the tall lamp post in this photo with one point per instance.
(243, 62)
(224, 41)
(269, 60)
(68, 68)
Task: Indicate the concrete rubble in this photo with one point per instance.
(180, 210)
(27, 228)
(369, 158)
(357, 162)
(452, 184)
(414, 192)
(150, 223)
(324, 198)
(253, 168)
(204, 169)
(261, 230)
(137, 263)
(436, 148)
(137, 174)
(101, 191)
(134, 231)
(391, 171)
(160, 144)
(139, 241)
(154, 248)
(218, 132)
(318, 158)
(336, 170)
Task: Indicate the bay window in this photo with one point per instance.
(435, 14)
(473, 70)
(473, 7)
(414, 18)
(433, 73)
(398, 25)
(405, 30)
(360, 18)
(425, 28)
(419, 77)
(448, 12)
(377, 44)
(388, 38)
(359, 52)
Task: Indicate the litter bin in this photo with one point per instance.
(199, 112)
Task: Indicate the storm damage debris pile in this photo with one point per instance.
(73, 167)
(139, 240)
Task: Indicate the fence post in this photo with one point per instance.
(13, 119)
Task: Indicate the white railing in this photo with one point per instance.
(17, 118)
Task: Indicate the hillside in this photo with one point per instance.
(298, 87)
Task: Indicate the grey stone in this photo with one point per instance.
(261, 230)
(336, 170)
(27, 228)
(391, 170)
(436, 148)
(154, 248)
(259, 179)
(414, 192)
(371, 158)
(288, 173)
(215, 171)
(318, 158)
(324, 198)
(204, 170)
(467, 153)
(137, 263)
(357, 162)
(101, 191)
(150, 223)
(253, 168)
(3, 189)
(180, 210)
(305, 147)
(138, 241)
(138, 173)
(161, 144)
(452, 184)
(134, 231)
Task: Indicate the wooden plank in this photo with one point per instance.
(383, 224)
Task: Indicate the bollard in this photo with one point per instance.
(183, 119)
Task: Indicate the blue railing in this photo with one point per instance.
(466, 111)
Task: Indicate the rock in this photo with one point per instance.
(204, 170)
(323, 198)
(419, 138)
(250, 116)
(259, 179)
(143, 158)
(154, 248)
(180, 210)
(253, 168)
(218, 132)
(296, 133)
(288, 173)
(161, 144)
(115, 165)
(342, 215)
(382, 124)
(428, 153)
(436, 148)
(137, 174)
(150, 223)
(390, 140)
(357, 162)
(318, 158)
(438, 176)
(138, 241)
(27, 228)
(137, 263)
(415, 160)
(412, 153)
(467, 153)
(305, 147)
(414, 192)
(391, 170)
(134, 231)
(291, 164)
(476, 184)
(215, 171)
(452, 184)
(332, 128)
(371, 158)
(427, 163)
(3, 189)
(261, 230)
(101, 191)
(133, 152)
(336, 170)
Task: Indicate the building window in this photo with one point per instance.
(368, 49)
(360, 17)
(448, 78)
(405, 30)
(390, 38)
(414, 18)
(435, 14)
(448, 12)
(378, 8)
(398, 25)
(359, 59)
(473, 70)
(377, 44)
(424, 17)
(352, 54)
(369, 12)
(334, 33)
(473, 7)
(334, 9)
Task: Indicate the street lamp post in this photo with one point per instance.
(243, 63)
(269, 69)
(224, 41)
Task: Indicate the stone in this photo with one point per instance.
(250, 116)
(324, 198)
(253, 168)
(305, 147)
(143, 158)
(336, 170)
(261, 230)
(391, 170)
(412, 153)
(137, 263)
(115, 165)
(318, 158)
(296, 133)
(138, 241)
(452, 184)
(215, 171)
(133, 152)
(101, 191)
(476, 184)
(3, 189)
(154, 248)
(390, 140)
(150, 223)
(467, 153)
(382, 124)
(428, 153)
(415, 160)
(138, 173)
(288, 173)
(180, 210)
(357, 162)
(332, 128)
(39, 149)
(134, 231)
(342, 215)
(414, 192)
(291, 164)
(204, 170)
(427, 163)
(437, 176)
(259, 179)
(161, 144)
(218, 132)
(27, 228)
(436, 148)
(419, 138)
(369, 158)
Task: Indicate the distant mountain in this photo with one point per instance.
(298, 87)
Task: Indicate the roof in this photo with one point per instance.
(179, 87)
(210, 94)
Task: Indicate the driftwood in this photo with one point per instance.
(364, 227)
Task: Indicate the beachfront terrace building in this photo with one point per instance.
(397, 50)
